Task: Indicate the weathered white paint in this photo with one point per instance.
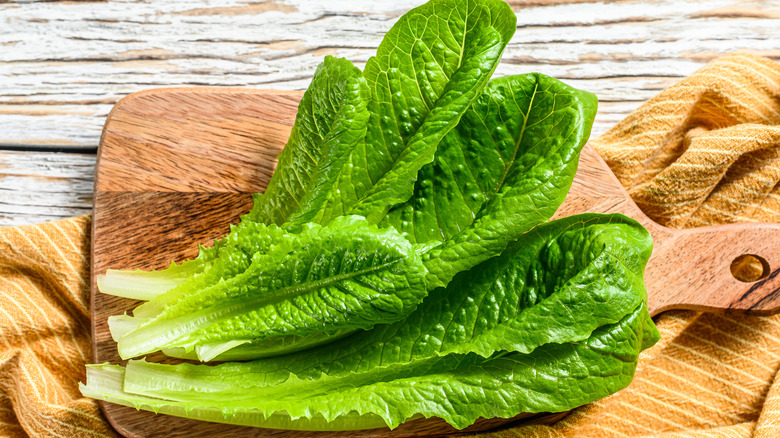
(77, 59)
(64, 64)
(43, 186)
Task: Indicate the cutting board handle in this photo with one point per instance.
(696, 264)
(689, 268)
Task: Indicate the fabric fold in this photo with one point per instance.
(45, 331)
(705, 151)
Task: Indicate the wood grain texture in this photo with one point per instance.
(176, 167)
(64, 64)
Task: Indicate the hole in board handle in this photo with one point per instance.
(749, 268)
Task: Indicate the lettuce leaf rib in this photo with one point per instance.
(234, 255)
(105, 382)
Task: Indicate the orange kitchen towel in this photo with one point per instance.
(45, 331)
(704, 151)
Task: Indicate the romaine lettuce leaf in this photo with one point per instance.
(554, 378)
(428, 69)
(479, 348)
(505, 168)
(331, 120)
(358, 143)
(348, 275)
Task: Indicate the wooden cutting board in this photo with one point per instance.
(177, 166)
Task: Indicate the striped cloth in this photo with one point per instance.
(705, 151)
(45, 331)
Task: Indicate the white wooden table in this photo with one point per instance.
(63, 65)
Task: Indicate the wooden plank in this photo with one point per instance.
(43, 186)
(64, 64)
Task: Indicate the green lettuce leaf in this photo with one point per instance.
(358, 143)
(479, 348)
(331, 120)
(348, 275)
(505, 168)
(554, 378)
(428, 69)
(233, 255)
